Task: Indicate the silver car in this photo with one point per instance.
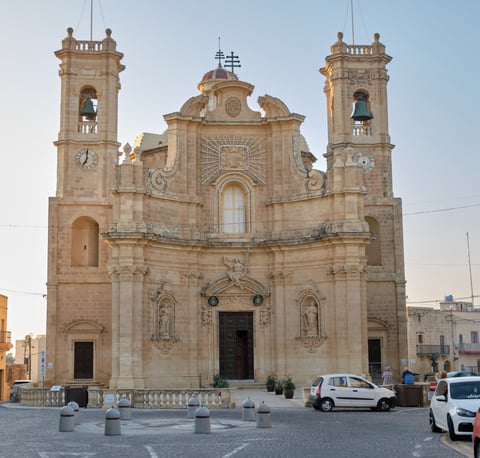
(349, 390)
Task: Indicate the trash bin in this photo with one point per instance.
(79, 394)
(409, 395)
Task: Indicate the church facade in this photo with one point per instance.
(216, 247)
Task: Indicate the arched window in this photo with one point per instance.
(87, 111)
(85, 235)
(373, 250)
(234, 209)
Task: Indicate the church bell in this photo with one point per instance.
(88, 110)
(360, 111)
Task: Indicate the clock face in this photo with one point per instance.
(86, 159)
(364, 160)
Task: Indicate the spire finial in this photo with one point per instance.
(219, 56)
(232, 61)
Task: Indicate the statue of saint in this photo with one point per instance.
(310, 319)
(164, 321)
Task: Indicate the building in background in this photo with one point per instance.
(215, 247)
(30, 352)
(444, 338)
(5, 346)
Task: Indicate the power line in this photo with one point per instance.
(27, 293)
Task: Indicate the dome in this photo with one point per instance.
(219, 74)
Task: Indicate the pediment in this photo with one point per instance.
(243, 286)
(83, 327)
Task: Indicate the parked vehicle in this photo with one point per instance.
(454, 405)
(349, 390)
(14, 392)
(461, 374)
(476, 435)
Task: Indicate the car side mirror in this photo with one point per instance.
(441, 397)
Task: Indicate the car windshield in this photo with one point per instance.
(465, 390)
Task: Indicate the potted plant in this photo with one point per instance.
(288, 387)
(279, 386)
(219, 382)
(270, 382)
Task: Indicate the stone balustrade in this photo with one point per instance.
(212, 398)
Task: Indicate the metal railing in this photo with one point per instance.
(442, 350)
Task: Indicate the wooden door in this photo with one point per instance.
(83, 360)
(236, 345)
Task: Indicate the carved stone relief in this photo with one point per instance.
(233, 106)
(230, 153)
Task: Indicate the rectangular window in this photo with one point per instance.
(474, 336)
(420, 339)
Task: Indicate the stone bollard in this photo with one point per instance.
(193, 405)
(248, 410)
(202, 421)
(112, 423)
(67, 420)
(76, 411)
(264, 419)
(124, 407)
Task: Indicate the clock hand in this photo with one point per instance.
(86, 158)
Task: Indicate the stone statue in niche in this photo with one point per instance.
(164, 321)
(310, 318)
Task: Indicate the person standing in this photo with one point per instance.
(387, 376)
(407, 377)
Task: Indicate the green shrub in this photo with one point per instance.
(219, 382)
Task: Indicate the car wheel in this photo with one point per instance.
(451, 429)
(326, 404)
(384, 405)
(433, 425)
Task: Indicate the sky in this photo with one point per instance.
(433, 102)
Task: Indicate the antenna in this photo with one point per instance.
(470, 270)
(219, 56)
(91, 20)
(232, 62)
(353, 23)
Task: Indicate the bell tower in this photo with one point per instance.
(356, 91)
(87, 152)
(358, 138)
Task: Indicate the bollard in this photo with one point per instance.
(193, 405)
(248, 410)
(76, 411)
(264, 419)
(67, 420)
(202, 421)
(112, 423)
(124, 409)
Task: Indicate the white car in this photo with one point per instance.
(454, 405)
(349, 390)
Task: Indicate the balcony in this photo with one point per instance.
(469, 349)
(429, 350)
(5, 341)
